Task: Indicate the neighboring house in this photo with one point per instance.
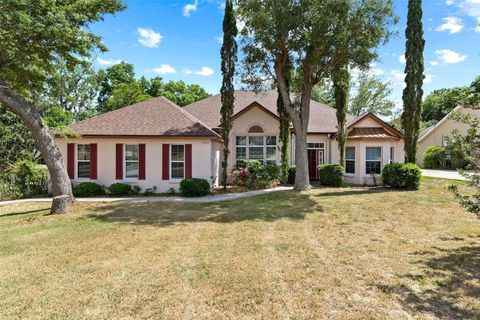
(157, 143)
(436, 135)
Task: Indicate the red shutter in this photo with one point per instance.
(141, 161)
(119, 161)
(93, 161)
(188, 161)
(165, 161)
(71, 160)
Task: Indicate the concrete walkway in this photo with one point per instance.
(444, 174)
(210, 198)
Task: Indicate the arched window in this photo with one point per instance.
(255, 129)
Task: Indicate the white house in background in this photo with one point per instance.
(157, 143)
(437, 134)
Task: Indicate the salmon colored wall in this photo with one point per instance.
(204, 160)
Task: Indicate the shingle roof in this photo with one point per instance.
(322, 117)
(154, 117)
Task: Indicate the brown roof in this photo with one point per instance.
(377, 133)
(154, 117)
(322, 117)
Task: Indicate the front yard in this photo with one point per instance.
(345, 253)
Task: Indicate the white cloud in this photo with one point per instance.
(164, 69)
(452, 25)
(449, 2)
(205, 71)
(219, 39)
(477, 27)
(470, 7)
(189, 8)
(450, 57)
(149, 38)
(107, 62)
(375, 70)
(397, 77)
(402, 59)
(434, 63)
(428, 78)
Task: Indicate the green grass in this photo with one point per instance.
(348, 253)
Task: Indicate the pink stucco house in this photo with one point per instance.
(157, 143)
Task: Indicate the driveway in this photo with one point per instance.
(444, 174)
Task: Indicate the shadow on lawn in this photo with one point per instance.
(360, 190)
(450, 275)
(275, 206)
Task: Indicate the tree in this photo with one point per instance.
(341, 86)
(414, 67)
(110, 78)
(34, 36)
(307, 32)
(323, 92)
(229, 59)
(438, 103)
(125, 94)
(284, 127)
(370, 94)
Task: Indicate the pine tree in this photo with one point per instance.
(229, 59)
(414, 67)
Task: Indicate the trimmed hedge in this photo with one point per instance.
(401, 175)
(120, 189)
(331, 175)
(88, 189)
(194, 187)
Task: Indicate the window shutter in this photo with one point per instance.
(71, 160)
(188, 161)
(165, 161)
(141, 161)
(93, 161)
(119, 161)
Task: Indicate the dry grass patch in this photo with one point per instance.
(348, 253)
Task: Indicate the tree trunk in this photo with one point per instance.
(302, 177)
(45, 143)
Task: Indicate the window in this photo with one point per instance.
(131, 161)
(261, 148)
(315, 145)
(177, 162)
(83, 161)
(350, 160)
(392, 154)
(373, 160)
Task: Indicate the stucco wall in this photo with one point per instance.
(442, 130)
(241, 125)
(204, 160)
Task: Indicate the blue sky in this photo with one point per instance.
(179, 40)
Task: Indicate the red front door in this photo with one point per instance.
(315, 158)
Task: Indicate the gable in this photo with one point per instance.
(255, 117)
(372, 127)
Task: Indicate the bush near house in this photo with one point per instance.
(88, 189)
(253, 174)
(401, 175)
(120, 189)
(291, 175)
(331, 175)
(23, 179)
(434, 157)
(194, 187)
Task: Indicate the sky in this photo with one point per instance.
(181, 40)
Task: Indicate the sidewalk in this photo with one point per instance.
(444, 174)
(211, 198)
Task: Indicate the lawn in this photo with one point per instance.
(348, 253)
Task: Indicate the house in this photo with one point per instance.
(436, 135)
(157, 143)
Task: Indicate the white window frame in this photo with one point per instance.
(354, 161)
(84, 161)
(130, 161)
(381, 157)
(176, 161)
(392, 154)
(264, 146)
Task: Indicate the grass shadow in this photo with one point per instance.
(24, 212)
(448, 274)
(270, 207)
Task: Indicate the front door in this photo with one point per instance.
(315, 158)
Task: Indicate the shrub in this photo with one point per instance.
(88, 189)
(331, 175)
(136, 189)
(401, 175)
(254, 174)
(291, 175)
(150, 191)
(120, 189)
(434, 157)
(194, 187)
(24, 178)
